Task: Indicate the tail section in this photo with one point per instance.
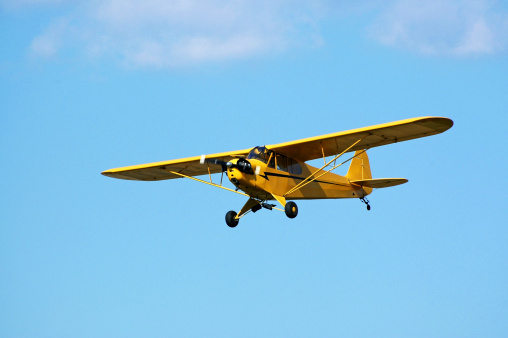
(361, 180)
(360, 177)
(359, 169)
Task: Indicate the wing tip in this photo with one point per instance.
(444, 123)
(113, 174)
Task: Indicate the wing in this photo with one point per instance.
(374, 136)
(157, 171)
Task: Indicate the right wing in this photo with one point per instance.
(190, 166)
(374, 136)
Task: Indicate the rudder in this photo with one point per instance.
(359, 169)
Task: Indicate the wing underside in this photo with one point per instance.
(157, 171)
(374, 136)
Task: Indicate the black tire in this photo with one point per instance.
(291, 209)
(231, 221)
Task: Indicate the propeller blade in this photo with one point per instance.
(215, 161)
(242, 164)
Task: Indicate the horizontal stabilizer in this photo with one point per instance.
(380, 182)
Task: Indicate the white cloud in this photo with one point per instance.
(169, 33)
(50, 41)
(163, 33)
(479, 38)
(443, 27)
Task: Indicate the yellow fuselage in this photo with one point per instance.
(271, 181)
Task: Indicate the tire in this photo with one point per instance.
(231, 221)
(291, 209)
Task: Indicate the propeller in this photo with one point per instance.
(215, 161)
(242, 164)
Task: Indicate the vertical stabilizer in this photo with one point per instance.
(359, 169)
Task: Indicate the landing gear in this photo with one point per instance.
(366, 201)
(231, 219)
(291, 209)
(253, 205)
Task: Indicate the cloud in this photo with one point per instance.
(443, 27)
(49, 43)
(165, 33)
(172, 33)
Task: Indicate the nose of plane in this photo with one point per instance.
(235, 175)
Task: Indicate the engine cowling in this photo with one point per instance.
(240, 173)
(244, 166)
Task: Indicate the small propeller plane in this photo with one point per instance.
(279, 173)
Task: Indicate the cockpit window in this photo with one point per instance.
(282, 162)
(258, 153)
(294, 167)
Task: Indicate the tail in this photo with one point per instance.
(359, 169)
(361, 179)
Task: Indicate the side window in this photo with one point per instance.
(294, 167)
(282, 162)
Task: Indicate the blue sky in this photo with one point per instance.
(91, 85)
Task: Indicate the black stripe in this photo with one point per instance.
(298, 178)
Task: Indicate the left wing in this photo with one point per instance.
(190, 166)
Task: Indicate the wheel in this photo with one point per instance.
(291, 209)
(368, 207)
(231, 221)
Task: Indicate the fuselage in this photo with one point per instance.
(276, 174)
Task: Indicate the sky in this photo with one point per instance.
(87, 86)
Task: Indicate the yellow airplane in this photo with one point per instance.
(279, 172)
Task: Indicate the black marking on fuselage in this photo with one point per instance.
(267, 174)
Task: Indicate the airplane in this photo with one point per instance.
(279, 172)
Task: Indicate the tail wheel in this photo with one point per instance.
(291, 209)
(231, 219)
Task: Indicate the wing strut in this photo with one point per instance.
(309, 179)
(209, 183)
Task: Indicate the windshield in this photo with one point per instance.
(258, 153)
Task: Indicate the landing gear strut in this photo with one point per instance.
(366, 201)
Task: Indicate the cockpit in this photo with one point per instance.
(258, 153)
(275, 160)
